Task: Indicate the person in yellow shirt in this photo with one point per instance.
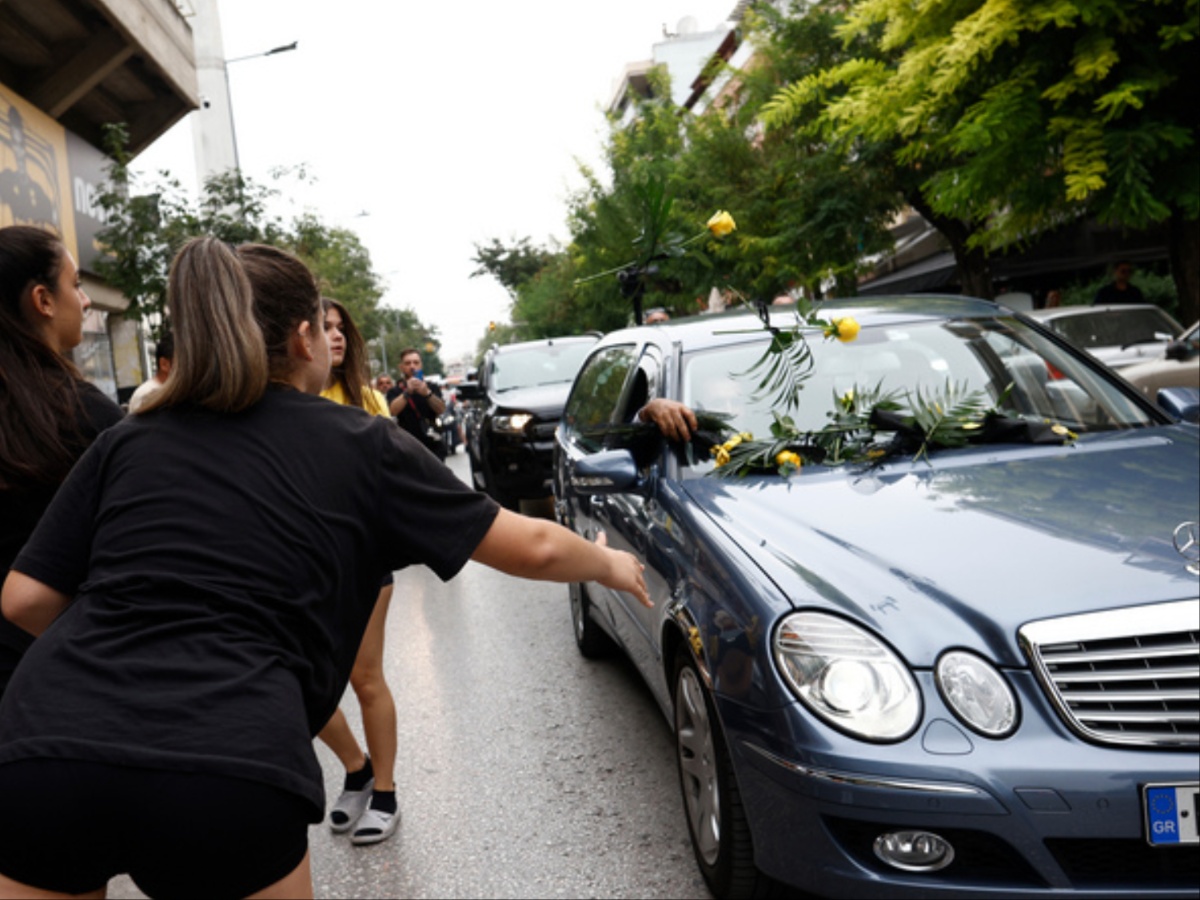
(368, 799)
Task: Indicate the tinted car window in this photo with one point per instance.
(1031, 376)
(546, 364)
(597, 393)
(1115, 327)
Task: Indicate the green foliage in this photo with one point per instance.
(513, 264)
(1157, 289)
(1020, 114)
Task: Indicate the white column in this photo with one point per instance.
(212, 124)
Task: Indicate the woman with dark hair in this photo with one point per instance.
(201, 584)
(48, 413)
(368, 799)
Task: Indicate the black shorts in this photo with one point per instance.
(70, 826)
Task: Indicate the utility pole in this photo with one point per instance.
(212, 124)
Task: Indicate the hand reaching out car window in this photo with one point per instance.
(675, 420)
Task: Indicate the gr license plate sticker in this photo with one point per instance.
(1171, 811)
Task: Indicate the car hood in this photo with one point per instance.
(544, 400)
(1122, 357)
(963, 551)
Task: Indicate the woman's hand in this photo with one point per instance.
(626, 573)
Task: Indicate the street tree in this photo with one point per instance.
(1018, 117)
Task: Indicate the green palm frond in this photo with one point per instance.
(782, 370)
(947, 417)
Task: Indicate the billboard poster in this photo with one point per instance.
(34, 179)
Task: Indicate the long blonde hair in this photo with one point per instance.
(220, 354)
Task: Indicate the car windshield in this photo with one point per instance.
(549, 363)
(988, 355)
(1108, 327)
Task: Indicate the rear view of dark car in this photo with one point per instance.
(515, 407)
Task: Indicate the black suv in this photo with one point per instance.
(514, 408)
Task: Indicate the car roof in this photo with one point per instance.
(1059, 312)
(732, 326)
(544, 342)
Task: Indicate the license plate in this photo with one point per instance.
(1171, 811)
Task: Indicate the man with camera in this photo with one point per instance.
(417, 404)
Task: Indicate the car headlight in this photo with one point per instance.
(977, 693)
(847, 676)
(514, 424)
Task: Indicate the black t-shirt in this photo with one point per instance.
(224, 569)
(22, 507)
(416, 416)
(1110, 293)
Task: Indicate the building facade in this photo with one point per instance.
(68, 68)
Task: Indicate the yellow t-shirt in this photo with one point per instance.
(373, 401)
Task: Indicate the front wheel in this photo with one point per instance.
(716, 819)
(590, 638)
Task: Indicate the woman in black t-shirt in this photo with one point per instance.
(48, 413)
(201, 583)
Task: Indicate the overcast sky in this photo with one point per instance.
(431, 126)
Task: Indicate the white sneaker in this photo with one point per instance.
(374, 826)
(349, 808)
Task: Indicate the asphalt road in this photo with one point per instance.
(524, 771)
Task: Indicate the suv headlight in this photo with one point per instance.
(847, 676)
(514, 424)
(977, 693)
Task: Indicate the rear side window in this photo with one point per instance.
(597, 394)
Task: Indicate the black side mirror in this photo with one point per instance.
(470, 390)
(1177, 350)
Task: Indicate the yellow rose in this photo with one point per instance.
(733, 442)
(721, 223)
(844, 329)
(847, 400)
(746, 436)
(722, 456)
(788, 458)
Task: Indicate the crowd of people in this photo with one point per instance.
(191, 588)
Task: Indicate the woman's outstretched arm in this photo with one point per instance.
(29, 604)
(545, 551)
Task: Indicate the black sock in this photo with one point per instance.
(356, 781)
(384, 801)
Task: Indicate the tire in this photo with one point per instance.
(478, 480)
(712, 802)
(592, 640)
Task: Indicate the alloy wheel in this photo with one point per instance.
(698, 764)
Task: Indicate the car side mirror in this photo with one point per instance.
(607, 472)
(470, 390)
(1177, 350)
(1180, 403)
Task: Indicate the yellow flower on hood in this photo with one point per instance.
(733, 442)
(788, 458)
(721, 223)
(844, 329)
(722, 456)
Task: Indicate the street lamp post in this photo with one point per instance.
(212, 125)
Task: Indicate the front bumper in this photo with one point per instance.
(520, 467)
(1039, 813)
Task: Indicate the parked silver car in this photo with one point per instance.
(1178, 366)
(1118, 335)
